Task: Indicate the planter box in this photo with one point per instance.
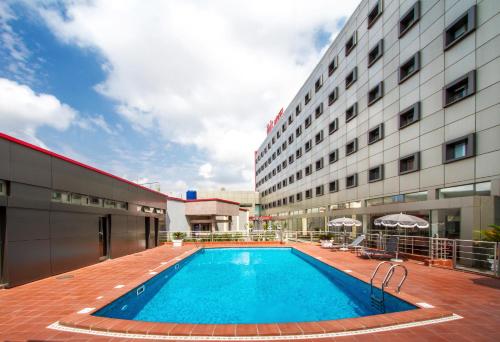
(177, 243)
(444, 263)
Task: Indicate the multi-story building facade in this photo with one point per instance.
(402, 113)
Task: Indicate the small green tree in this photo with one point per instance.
(493, 234)
(179, 235)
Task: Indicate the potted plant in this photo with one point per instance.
(177, 238)
(492, 235)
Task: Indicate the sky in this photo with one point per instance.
(171, 92)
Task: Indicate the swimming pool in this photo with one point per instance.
(248, 285)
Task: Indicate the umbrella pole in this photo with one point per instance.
(344, 248)
(396, 259)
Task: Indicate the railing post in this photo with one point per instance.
(454, 253)
(496, 261)
(311, 235)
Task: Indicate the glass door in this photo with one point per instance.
(103, 238)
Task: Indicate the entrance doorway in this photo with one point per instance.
(104, 237)
(3, 224)
(147, 227)
(156, 235)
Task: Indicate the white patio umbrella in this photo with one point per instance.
(401, 221)
(344, 222)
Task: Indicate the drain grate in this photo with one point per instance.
(65, 276)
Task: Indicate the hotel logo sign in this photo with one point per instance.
(273, 123)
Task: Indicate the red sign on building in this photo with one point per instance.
(273, 123)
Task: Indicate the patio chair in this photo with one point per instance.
(389, 252)
(355, 245)
(326, 243)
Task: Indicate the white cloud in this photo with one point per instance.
(208, 73)
(22, 111)
(92, 122)
(205, 171)
(13, 50)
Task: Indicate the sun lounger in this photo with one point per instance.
(387, 253)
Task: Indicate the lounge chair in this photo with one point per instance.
(355, 245)
(389, 252)
(326, 243)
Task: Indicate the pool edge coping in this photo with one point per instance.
(84, 321)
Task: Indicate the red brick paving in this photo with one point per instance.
(25, 311)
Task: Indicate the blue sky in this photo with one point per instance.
(111, 84)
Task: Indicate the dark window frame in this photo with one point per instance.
(308, 170)
(308, 194)
(354, 143)
(375, 13)
(354, 178)
(298, 131)
(470, 79)
(413, 61)
(318, 111)
(378, 129)
(334, 64)
(320, 190)
(351, 43)
(469, 17)
(335, 186)
(416, 166)
(333, 96)
(307, 97)
(318, 84)
(380, 170)
(375, 93)
(351, 77)
(321, 137)
(335, 123)
(298, 109)
(321, 164)
(415, 109)
(308, 145)
(379, 50)
(308, 121)
(351, 112)
(335, 158)
(414, 12)
(470, 140)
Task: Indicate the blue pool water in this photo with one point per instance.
(248, 285)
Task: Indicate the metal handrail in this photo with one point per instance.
(391, 271)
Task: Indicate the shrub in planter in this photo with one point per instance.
(177, 238)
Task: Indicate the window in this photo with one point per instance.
(460, 28)
(283, 127)
(291, 199)
(291, 179)
(290, 138)
(375, 53)
(278, 151)
(308, 121)
(308, 193)
(308, 169)
(334, 95)
(333, 186)
(278, 134)
(3, 189)
(290, 159)
(351, 181)
(110, 204)
(351, 112)
(279, 185)
(318, 84)
(351, 146)
(333, 65)
(319, 137)
(319, 164)
(409, 68)
(459, 148)
(409, 163)
(274, 155)
(409, 115)
(351, 77)
(290, 119)
(459, 89)
(376, 174)
(298, 131)
(333, 126)
(333, 156)
(307, 98)
(375, 93)
(284, 164)
(285, 201)
(298, 153)
(308, 145)
(351, 43)
(375, 13)
(456, 191)
(320, 190)
(318, 111)
(298, 109)
(298, 175)
(299, 197)
(278, 168)
(78, 199)
(409, 19)
(284, 146)
(376, 134)
(95, 201)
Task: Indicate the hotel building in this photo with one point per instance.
(401, 114)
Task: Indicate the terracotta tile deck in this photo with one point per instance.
(27, 310)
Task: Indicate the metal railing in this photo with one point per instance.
(476, 256)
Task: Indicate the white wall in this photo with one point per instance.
(176, 217)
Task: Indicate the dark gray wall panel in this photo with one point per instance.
(119, 236)
(29, 196)
(27, 261)
(74, 178)
(75, 240)
(29, 166)
(4, 159)
(27, 224)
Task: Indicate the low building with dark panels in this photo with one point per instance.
(57, 214)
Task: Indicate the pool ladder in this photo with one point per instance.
(379, 301)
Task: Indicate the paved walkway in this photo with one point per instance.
(27, 310)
